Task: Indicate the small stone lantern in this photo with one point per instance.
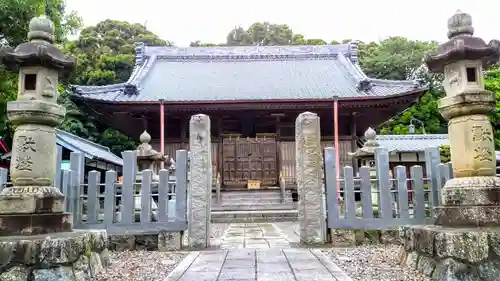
(148, 158)
(366, 154)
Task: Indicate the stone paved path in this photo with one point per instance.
(261, 265)
(257, 251)
(257, 236)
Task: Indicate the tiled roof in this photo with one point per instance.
(89, 149)
(246, 73)
(412, 142)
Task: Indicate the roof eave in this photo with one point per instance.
(419, 91)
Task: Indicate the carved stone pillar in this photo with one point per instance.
(309, 179)
(200, 184)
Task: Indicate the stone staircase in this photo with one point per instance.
(253, 206)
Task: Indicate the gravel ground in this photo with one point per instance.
(373, 262)
(140, 266)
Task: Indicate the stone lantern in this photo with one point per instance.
(472, 197)
(37, 241)
(148, 158)
(35, 114)
(464, 243)
(366, 153)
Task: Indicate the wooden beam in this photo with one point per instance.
(354, 139)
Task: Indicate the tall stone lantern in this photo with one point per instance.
(33, 205)
(37, 240)
(472, 198)
(464, 242)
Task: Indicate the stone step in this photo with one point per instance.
(250, 207)
(253, 193)
(254, 216)
(250, 201)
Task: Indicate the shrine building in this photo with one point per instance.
(253, 95)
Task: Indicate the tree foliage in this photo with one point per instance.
(492, 83)
(105, 55)
(15, 16)
(398, 58)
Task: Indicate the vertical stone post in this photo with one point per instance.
(33, 205)
(309, 179)
(200, 184)
(472, 197)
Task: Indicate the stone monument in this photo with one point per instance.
(464, 243)
(309, 161)
(199, 193)
(36, 237)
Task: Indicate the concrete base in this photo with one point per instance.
(453, 254)
(75, 256)
(35, 224)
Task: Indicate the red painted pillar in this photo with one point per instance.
(336, 141)
(162, 130)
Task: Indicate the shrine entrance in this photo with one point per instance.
(247, 159)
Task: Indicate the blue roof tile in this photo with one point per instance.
(411, 142)
(246, 73)
(90, 149)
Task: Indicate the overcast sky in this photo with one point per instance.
(210, 20)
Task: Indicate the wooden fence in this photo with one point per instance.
(138, 203)
(386, 201)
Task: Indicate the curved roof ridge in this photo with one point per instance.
(137, 70)
(98, 89)
(246, 51)
(62, 132)
(382, 82)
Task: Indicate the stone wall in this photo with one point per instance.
(65, 256)
(353, 237)
(164, 241)
(473, 255)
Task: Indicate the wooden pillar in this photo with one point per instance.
(354, 141)
(278, 145)
(144, 122)
(184, 126)
(220, 159)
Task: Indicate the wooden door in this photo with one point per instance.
(249, 159)
(269, 162)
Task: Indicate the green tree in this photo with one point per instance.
(106, 55)
(268, 34)
(106, 52)
(398, 58)
(492, 83)
(15, 16)
(198, 43)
